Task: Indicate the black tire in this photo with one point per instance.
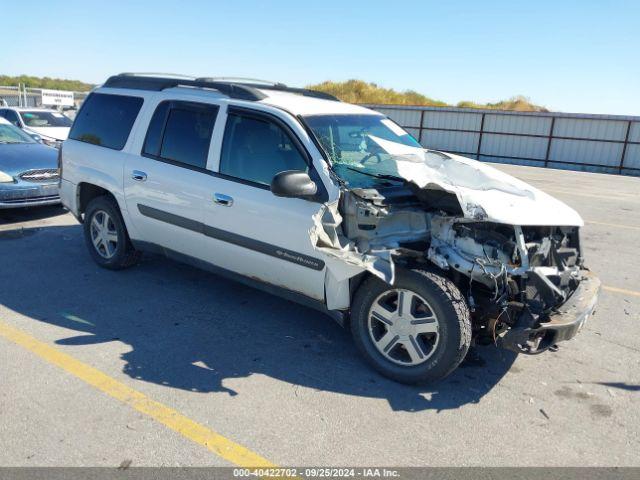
(124, 254)
(454, 325)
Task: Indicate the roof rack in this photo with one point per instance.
(254, 81)
(281, 87)
(277, 86)
(159, 83)
(242, 89)
(156, 74)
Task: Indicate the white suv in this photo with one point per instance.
(420, 253)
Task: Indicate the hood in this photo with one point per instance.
(58, 133)
(16, 158)
(484, 193)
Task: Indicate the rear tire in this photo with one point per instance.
(417, 330)
(106, 235)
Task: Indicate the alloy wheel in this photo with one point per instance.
(103, 234)
(403, 326)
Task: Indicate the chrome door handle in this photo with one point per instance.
(138, 176)
(222, 199)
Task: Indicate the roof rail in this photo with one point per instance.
(280, 87)
(243, 89)
(277, 86)
(158, 83)
(156, 74)
(254, 81)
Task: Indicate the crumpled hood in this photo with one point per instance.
(57, 133)
(485, 193)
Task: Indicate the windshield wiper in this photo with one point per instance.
(382, 176)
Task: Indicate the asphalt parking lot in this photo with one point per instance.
(166, 365)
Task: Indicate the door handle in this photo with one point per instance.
(138, 176)
(222, 199)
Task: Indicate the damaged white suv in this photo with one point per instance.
(419, 252)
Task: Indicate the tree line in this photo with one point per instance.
(352, 91)
(45, 82)
(359, 91)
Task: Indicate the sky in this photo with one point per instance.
(570, 56)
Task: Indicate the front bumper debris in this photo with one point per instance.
(563, 324)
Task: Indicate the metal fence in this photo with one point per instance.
(11, 96)
(597, 143)
(30, 97)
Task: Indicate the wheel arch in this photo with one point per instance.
(86, 192)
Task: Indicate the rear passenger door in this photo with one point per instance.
(166, 185)
(249, 230)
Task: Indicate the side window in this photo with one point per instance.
(256, 149)
(181, 132)
(12, 117)
(106, 120)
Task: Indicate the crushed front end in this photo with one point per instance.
(511, 249)
(526, 286)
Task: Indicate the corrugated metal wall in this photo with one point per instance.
(597, 143)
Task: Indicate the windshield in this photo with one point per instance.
(38, 119)
(361, 146)
(11, 134)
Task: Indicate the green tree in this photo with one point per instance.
(359, 91)
(45, 82)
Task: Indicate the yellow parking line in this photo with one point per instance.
(221, 446)
(621, 290)
(616, 225)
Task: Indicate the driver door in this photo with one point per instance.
(248, 229)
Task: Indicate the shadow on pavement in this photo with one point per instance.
(15, 215)
(630, 387)
(192, 330)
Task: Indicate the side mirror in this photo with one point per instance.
(293, 184)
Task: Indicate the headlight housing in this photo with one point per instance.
(5, 178)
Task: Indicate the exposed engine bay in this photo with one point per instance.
(514, 278)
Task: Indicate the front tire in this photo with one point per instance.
(106, 235)
(417, 330)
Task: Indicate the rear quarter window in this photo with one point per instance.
(106, 120)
